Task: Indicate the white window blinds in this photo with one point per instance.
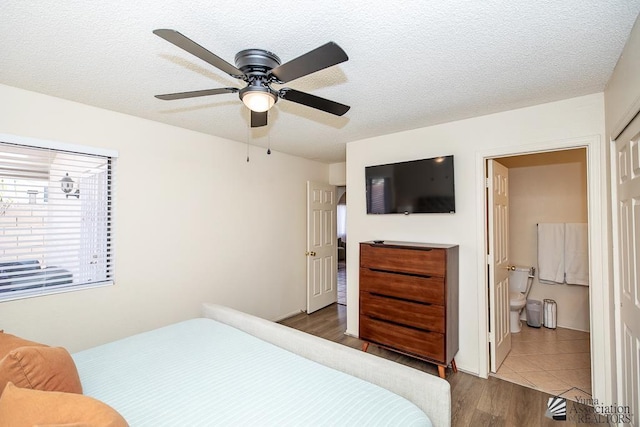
(56, 224)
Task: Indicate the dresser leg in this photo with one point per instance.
(453, 365)
(441, 371)
(365, 346)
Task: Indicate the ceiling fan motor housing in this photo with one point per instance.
(255, 64)
(256, 60)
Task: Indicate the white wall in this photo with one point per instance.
(622, 94)
(466, 140)
(338, 173)
(194, 222)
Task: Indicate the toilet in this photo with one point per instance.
(519, 286)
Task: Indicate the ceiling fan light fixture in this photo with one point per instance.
(258, 100)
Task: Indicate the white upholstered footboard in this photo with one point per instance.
(430, 393)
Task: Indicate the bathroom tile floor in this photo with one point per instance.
(555, 361)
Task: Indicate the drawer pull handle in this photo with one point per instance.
(400, 273)
(393, 297)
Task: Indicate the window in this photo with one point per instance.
(379, 201)
(56, 207)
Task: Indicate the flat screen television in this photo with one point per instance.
(417, 186)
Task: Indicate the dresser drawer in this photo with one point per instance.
(426, 261)
(423, 316)
(422, 289)
(425, 344)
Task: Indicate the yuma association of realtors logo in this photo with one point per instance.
(587, 410)
(557, 408)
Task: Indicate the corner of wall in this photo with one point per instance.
(338, 173)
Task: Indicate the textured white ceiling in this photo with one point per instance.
(412, 64)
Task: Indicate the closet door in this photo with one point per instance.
(627, 201)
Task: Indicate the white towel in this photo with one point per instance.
(551, 253)
(576, 254)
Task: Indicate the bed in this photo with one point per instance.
(231, 368)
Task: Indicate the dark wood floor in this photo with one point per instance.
(474, 401)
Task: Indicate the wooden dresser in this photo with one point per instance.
(409, 299)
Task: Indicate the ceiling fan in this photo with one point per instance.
(259, 69)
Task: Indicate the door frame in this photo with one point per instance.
(599, 293)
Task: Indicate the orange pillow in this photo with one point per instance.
(40, 368)
(10, 342)
(20, 407)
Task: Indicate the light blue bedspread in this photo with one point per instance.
(204, 373)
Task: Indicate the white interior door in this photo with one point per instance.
(627, 201)
(322, 251)
(498, 260)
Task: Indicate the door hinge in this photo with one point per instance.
(491, 338)
(486, 183)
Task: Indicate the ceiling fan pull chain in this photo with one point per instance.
(248, 136)
(268, 141)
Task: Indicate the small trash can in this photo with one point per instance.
(534, 313)
(549, 309)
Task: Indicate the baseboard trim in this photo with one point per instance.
(286, 316)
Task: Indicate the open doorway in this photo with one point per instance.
(341, 220)
(547, 188)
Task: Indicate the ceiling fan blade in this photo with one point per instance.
(258, 119)
(315, 60)
(313, 101)
(194, 48)
(196, 93)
